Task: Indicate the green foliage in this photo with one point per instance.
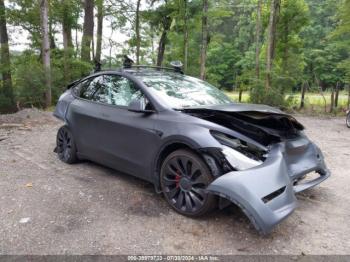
(323, 54)
(30, 81)
(223, 56)
(5, 101)
(313, 44)
(231, 55)
(274, 97)
(342, 38)
(289, 63)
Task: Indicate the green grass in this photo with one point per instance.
(314, 102)
(314, 99)
(234, 96)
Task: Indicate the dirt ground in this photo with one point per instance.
(48, 207)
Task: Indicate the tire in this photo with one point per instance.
(348, 119)
(65, 146)
(183, 178)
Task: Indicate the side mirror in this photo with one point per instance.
(138, 106)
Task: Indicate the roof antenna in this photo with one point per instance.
(127, 62)
(97, 66)
(177, 65)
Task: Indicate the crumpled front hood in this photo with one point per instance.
(261, 123)
(240, 107)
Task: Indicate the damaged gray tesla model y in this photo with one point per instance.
(198, 148)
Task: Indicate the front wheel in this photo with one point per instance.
(65, 146)
(348, 119)
(184, 177)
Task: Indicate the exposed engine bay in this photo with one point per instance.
(263, 179)
(265, 128)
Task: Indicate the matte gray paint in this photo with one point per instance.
(286, 162)
(132, 142)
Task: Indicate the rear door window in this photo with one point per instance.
(110, 89)
(84, 89)
(90, 87)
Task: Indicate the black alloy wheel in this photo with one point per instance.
(184, 178)
(66, 149)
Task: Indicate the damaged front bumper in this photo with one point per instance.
(266, 193)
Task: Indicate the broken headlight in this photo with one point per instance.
(240, 154)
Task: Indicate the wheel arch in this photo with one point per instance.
(210, 157)
(165, 150)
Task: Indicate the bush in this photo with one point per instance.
(29, 79)
(5, 102)
(272, 97)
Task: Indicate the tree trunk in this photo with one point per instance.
(44, 7)
(204, 45)
(349, 97)
(162, 41)
(67, 33)
(88, 30)
(99, 30)
(5, 62)
(257, 35)
(336, 98)
(240, 95)
(137, 31)
(110, 53)
(331, 110)
(185, 36)
(161, 48)
(271, 44)
(285, 49)
(92, 48)
(51, 33)
(110, 41)
(67, 41)
(76, 43)
(303, 90)
(152, 48)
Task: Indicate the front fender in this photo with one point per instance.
(63, 104)
(266, 193)
(248, 189)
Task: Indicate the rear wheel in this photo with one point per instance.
(66, 149)
(184, 178)
(348, 119)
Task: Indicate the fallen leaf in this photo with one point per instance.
(29, 185)
(24, 220)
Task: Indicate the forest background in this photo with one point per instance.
(293, 54)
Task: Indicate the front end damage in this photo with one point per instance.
(264, 187)
(266, 193)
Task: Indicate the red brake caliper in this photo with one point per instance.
(177, 179)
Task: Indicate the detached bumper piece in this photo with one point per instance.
(266, 194)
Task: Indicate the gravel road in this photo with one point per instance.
(48, 207)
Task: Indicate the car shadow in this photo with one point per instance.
(137, 197)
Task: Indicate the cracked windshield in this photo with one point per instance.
(184, 91)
